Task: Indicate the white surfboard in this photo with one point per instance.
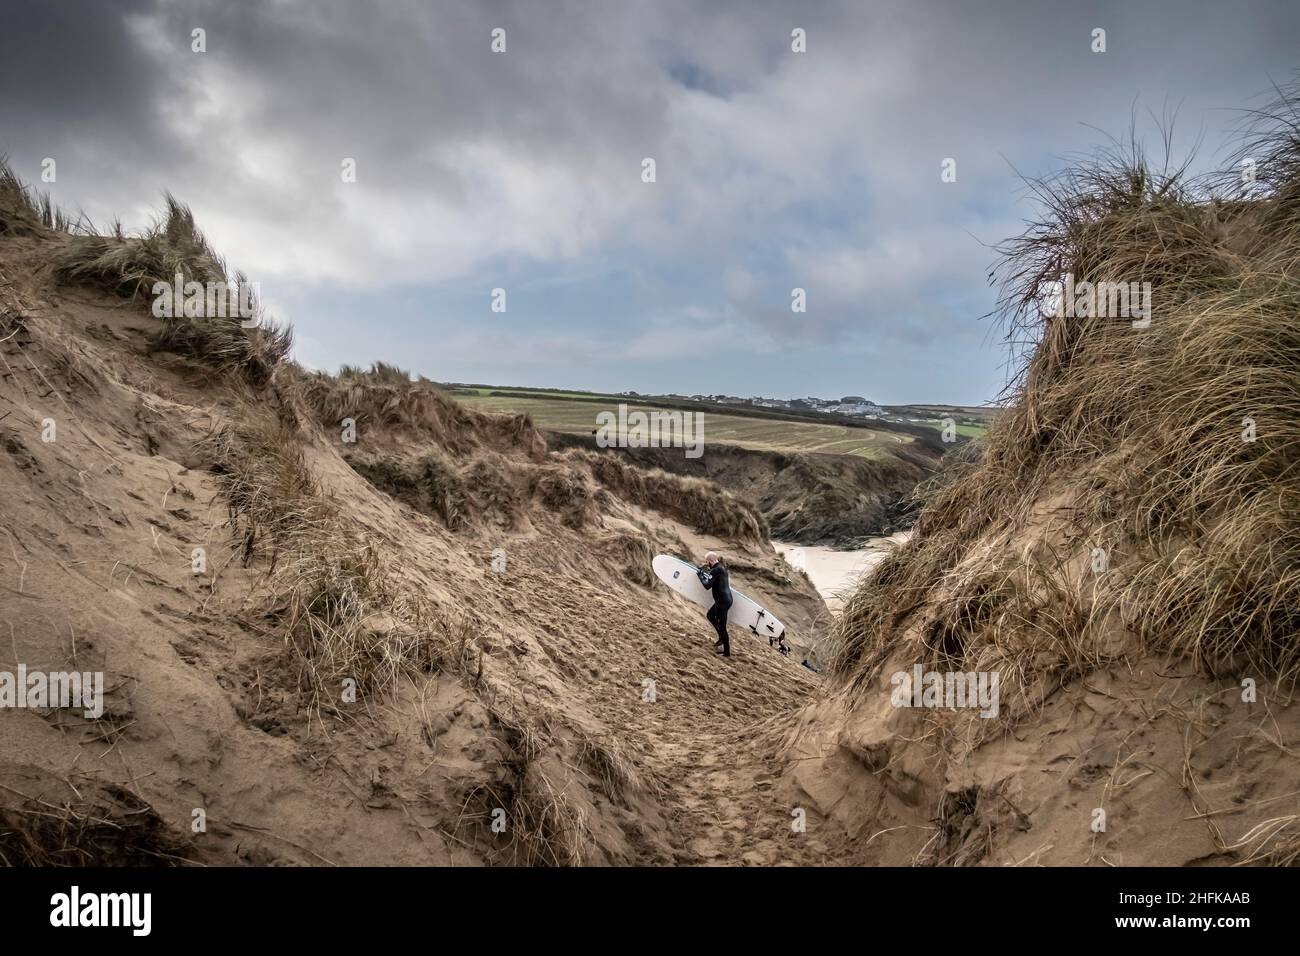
(745, 611)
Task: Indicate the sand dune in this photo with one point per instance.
(489, 599)
(344, 620)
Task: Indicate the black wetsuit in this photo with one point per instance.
(718, 580)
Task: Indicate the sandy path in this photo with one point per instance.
(716, 746)
(710, 736)
(725, 801)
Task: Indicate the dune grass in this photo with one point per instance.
(695, 502)
(1144, 486)
(27, 212)
(130, 267)
(342, 609)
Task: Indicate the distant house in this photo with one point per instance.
(862, 408)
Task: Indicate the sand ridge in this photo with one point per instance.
(550, 719)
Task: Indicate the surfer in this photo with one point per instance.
(715, 577)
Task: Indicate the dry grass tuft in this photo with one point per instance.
(701, 504)
(130, 266)
(25, 212)
(344, 611)
(566, 492)
(545, 825)
(384, 398)
(430, 485)
(632, 554)
(1126, 439)
(98, 825)
(615, 770)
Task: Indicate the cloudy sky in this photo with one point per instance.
(522, 170)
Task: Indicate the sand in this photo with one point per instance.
(553, 722)
(835, 573)
(586, 704)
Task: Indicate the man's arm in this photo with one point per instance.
(705, 578)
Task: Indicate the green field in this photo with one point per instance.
(559, 412)
(486, 391)
(965, 430)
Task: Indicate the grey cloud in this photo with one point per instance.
(820, 170)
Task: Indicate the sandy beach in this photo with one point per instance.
(834, 573)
